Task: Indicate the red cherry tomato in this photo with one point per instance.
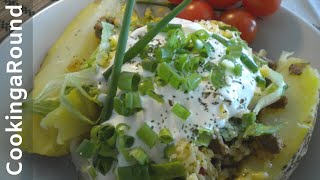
(197, 10)
(220, 4)
(243, 21)
(175, 1)
(261, 7)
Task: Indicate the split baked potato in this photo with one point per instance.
(78, 42)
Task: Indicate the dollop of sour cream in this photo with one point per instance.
(210, 108)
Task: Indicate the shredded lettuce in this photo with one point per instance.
(101, 53)
(278, 87)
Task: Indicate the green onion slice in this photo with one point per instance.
(222, 39)
(234, 51)
(149, 65)
(145, 86)
(165, 136)
(140, 155)
(168, 170)
(217, 76)
(129, 81)
(86, 149)
(249, 63)
(237, 70)
(169, 150)
(135, 172)
(102, 164)
(204, 137)
(193, 81)
(181, 111)
(122, 128)
(147, 135)
(155, 96)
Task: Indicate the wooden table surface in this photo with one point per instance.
(29, 7)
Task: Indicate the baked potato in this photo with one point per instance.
(52, 138)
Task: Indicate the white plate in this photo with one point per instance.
(282, 31)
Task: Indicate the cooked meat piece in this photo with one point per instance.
(218, 146)
(98, 26)
(297, 69)
(280, 104)
(271, 143)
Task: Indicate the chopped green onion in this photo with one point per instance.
(247, 61)
(86, 149)
(145, 85)
(140, 155)
(165, 136)
(143, 42)
(147, 135)
(234, 51)
(135, 172)
(193, 81)
(261, 82)
(166, 29)
(248, 119)
(202, 34)
(197, 43)
(222, 40)
(181, 111)
(237, 70)
(207, 50)
(91, 172)
(208, 66)
(180, 61)
(118, 61)
(122, 128)
(176, 80)
(102, 133)
(132, 101)
(169, 151)
(164, 71)
(135, 49)
(164, 54)
(155, 96)
(149, 65)
(217, 76)
(128, 104)
(176, 39)
(227, 27)
(102, 164)
(129, 81)
(128, 141)
(204, 137)
(106, 151)
(168, 170)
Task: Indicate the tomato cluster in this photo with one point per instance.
(243, 17)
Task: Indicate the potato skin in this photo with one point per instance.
(299, 117)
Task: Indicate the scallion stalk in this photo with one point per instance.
(119, 59)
